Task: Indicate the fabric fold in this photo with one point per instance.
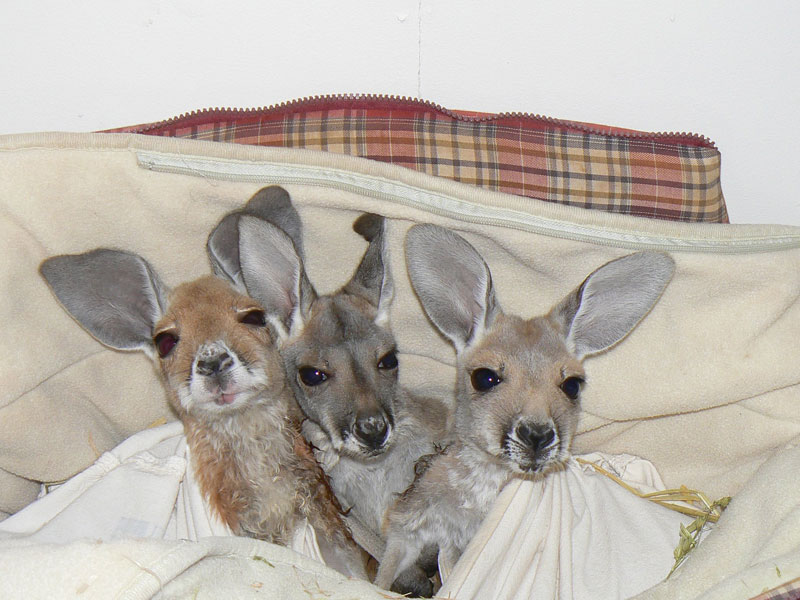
(572, 535)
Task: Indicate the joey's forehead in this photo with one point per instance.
(204, 304)
(533, 343)
(207, 293)
(338, 320)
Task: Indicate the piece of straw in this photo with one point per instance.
(683, 500)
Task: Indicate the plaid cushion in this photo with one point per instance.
(665, 176)
(787, 591)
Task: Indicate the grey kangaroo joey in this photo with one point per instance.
(225, 381)
(341, 361)
(518, 384)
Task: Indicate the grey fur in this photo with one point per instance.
(345, 335)
(456, 288)
(523, 426)
(271, 204)
(92, 298)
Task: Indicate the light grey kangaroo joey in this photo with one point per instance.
(226, 382)
(341, 360)
(518, 384)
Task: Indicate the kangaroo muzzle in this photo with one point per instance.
(531, 445)
(372, 431)
(213, 364)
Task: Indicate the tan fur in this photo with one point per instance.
(227, 384)
(217, 475)
(203, 310)
(532, 359)
(330, 513)
(251, 462)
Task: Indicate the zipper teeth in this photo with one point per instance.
(456, 208)
(482, 118)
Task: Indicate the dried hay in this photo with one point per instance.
(683, 500)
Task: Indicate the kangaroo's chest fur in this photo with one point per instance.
(368, 487)
(448, 503)
(247, 468)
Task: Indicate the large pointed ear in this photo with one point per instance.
(372, 279)
(612, 301)
(115, 295)
(273, 273)
(272, 204)
(223, 250)
(453, 283)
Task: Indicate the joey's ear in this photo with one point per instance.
(223, 250)
(453, 283)
(271, 204)
(274, 205)
(612, 301)
(115, 295)
(372, 279)
(273, 273)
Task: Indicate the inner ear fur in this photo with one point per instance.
(115, 295)
(452, 282)
(273, 273)
(272, 204)
(372, 279)
(612, 301)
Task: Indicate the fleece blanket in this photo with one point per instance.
(706, 388)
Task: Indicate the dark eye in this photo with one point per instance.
(485, 379)
(254, 317)
(165, 342)
(311, 376)
(388, 361)
(571, 386)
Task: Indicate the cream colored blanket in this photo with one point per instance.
(707, 387)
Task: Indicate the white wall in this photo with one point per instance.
(729, 70)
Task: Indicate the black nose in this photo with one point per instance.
(214, 365)
(371, 431)
(535, 437)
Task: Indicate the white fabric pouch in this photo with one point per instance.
(143, 488)
(572, 535)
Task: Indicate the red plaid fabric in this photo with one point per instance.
(788, 591)
(664, 176)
